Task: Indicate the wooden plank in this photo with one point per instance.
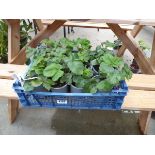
(152, 59)
(131, 44)
(143, 22)
(148, 22)
(88, 24)
(13, 49)
(139, 100)
(134, 33)
(6, 90)
(7, 70)
(45, 33)
(39, 24)
(94, 25)
(47, 21)
(144, 120)
(142, 82)
(137, 82)
(135, 100)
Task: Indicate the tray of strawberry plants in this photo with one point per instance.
(61, 75)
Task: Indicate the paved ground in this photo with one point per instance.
(58, 121)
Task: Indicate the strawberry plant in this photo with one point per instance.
(56, 63)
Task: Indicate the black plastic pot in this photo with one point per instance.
(95, 69)
(74, 89)
(63, 89)
(134, 67)
(40, 89)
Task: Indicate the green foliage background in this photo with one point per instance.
(25, 28)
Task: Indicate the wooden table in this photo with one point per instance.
(17, 56)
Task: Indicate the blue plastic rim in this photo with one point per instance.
(104, 101)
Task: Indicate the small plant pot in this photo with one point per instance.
(134, 67)
(63, 89)
(75, 89)
(115, 51)
(95, 69)
(40, 89)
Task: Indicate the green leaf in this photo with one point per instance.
(30, 52)
(105, 68)
(49, 73)
(27, 86)
(84, 56)
(107, 44)
(76, 67)
(47, 84)
(51, 70)
(36, 82)
(57, 75)
(114, 78)
(93, 89)
(49, 43)
(94, 62)
(66, 78)
(104, 86)
(143, 45)
(87, 73)
(111, 60)
(39, 71)
(126, 72)
(79, 81)
(90, 85)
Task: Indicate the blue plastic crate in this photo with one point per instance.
(104, 101)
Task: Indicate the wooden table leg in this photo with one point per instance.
(13, 49)
(13, 109)
(144, 119)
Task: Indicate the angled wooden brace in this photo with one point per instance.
(134, 33)
(133, 47)
(152, 59)
(143, 63)
(44, 33)
(39, 24)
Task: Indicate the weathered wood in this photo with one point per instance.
(142, 61)
(139, 99)
(147, 22)
(7, 70)
(142, 82)
(152, 59)
(131, 44)
(13, 49)
(11, 21)
(137, 82)
(134, 33)
(13, 38)
(39, 24)
(13, 109)
(6, 90)
(144, 120)
(45, 33)
(150, 22)
(88, 24)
